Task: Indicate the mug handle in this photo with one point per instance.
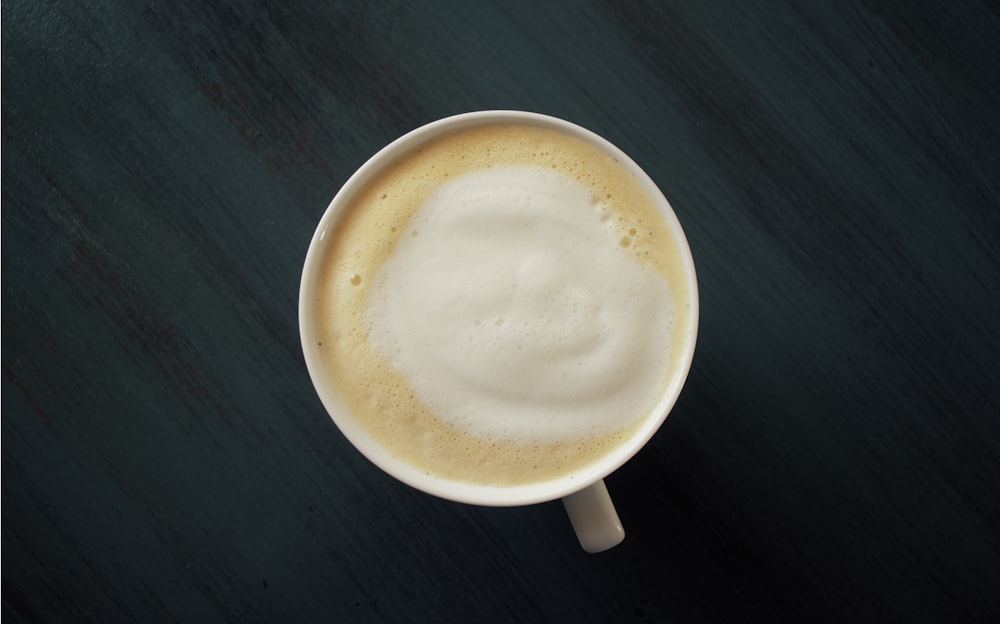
(594, 518)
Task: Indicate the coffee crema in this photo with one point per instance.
(502, 305)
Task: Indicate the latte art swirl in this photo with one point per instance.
(514, 312)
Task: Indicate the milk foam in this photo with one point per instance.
(515, 310)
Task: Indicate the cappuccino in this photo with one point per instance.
(504, 304)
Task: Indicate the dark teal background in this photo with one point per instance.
(835, 456)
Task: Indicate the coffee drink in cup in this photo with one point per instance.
(504, 303)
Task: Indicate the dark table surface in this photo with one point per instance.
(835, 455)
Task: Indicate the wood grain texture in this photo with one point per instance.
(835, 455)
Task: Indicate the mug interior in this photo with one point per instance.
(461, 491)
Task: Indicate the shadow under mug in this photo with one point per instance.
(583, 492)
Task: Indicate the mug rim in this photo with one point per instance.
(379, 454)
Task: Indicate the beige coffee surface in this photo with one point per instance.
(383, 399)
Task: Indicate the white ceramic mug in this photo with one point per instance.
(583, 492)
